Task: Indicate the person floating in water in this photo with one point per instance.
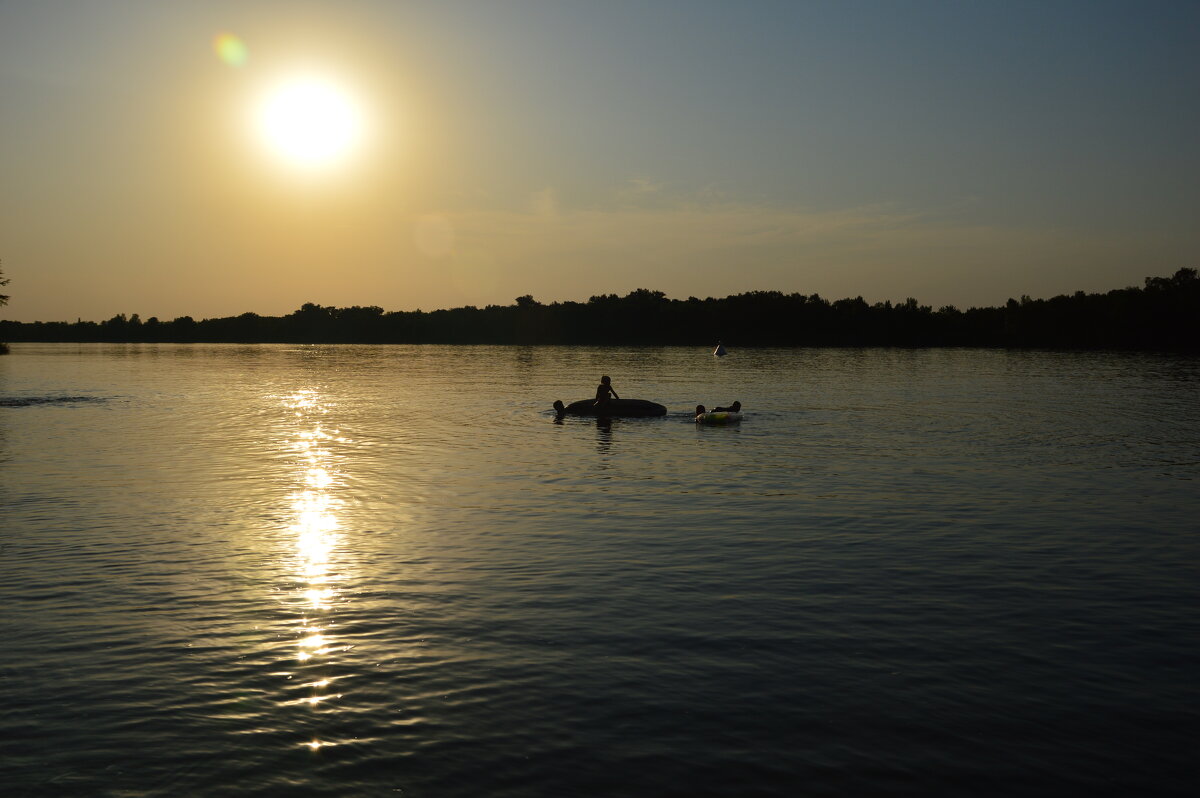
(605, 391)
(736, 407)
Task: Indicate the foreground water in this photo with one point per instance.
(359, 571)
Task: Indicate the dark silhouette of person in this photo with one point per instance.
(604, 390)
(736, 407)
(700, 411)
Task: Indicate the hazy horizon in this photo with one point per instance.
(960, 154)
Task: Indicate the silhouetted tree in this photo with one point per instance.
(1163, 314)
(3, 302)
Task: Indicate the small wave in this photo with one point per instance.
(27, 401)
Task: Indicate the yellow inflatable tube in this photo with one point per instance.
(721, 417)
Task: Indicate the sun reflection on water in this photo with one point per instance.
(316, 534)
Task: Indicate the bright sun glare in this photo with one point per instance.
(310, 122)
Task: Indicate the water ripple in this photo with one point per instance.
(364, 570)
(33, 401)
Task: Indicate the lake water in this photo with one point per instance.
(387, 570)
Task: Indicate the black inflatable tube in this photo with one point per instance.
(613, 408)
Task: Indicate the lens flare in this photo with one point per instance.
(230, 49)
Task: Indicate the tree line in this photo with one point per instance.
(1162, 314)
(3, 302)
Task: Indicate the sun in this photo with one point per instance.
(310, 122)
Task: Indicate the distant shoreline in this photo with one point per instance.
(1162, 315)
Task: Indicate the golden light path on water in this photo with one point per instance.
(315, 531)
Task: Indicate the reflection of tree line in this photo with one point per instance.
(1164, 314)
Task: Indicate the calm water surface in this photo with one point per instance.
(360, 571)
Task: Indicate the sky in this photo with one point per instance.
(957, 152)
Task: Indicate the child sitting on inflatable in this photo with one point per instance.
(603, 391)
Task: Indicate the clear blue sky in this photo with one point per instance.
(958, 152)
